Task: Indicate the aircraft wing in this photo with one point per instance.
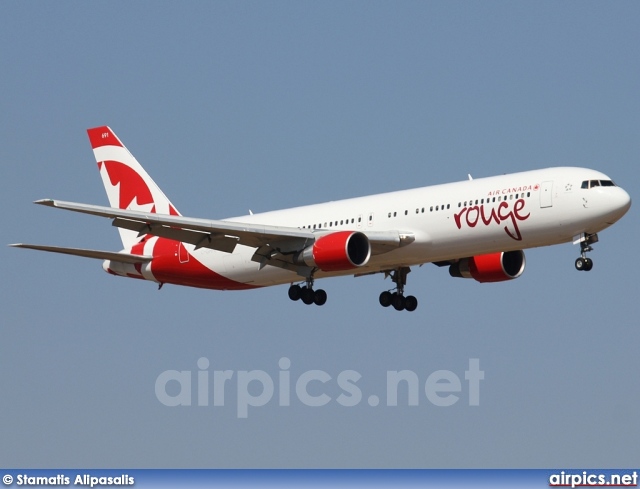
(274, 244)
(203, 233)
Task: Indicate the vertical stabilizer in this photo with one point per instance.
(127, 184)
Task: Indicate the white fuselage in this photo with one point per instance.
(449, 221)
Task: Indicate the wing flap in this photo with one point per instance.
(100, 255)
(198, 238)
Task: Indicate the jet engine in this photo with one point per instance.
(337, 251)
(494, 267)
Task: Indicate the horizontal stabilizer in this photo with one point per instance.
(100, 255)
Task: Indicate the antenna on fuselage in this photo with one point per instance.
(469, 175)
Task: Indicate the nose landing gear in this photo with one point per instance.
(586, 240)
(584, 264)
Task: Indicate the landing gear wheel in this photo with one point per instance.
(307, 295)
(295, 292)
(397, 298)
(410, 303)
(588, 264)
(319, 297)
(385, 299)
(584, 264)
(398, 302)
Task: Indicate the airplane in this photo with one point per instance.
(478, 228)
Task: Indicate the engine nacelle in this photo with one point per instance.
(341, 250)
(494, 267)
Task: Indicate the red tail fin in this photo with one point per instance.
(127, 184)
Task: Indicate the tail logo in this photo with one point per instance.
(133, 188)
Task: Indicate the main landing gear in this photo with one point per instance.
(583, 263)
(307, 294)
(397, 298)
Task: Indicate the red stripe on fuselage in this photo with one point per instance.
(167, 268)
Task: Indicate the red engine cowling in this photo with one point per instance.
(494, 267)
(337, 251)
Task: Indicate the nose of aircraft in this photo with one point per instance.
(619, 204)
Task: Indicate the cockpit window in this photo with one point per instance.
(597, 183)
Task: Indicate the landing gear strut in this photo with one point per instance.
(397, 298)
(583, 263)
(307, 294)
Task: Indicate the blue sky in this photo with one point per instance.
(267, 105)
